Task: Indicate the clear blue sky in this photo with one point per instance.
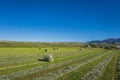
(59, 20)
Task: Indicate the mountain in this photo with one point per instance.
(107, 41)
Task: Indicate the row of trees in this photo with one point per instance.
(105, 46)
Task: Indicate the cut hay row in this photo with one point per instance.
(22, 65)
(40, 68)
(16, 57)
(28, 67)
(32, 63)
(109, 73)
(118, 68)
(96, 72)
(10, 69)
(60, 72)
(42, 73)
(81, 71)
(16, 61)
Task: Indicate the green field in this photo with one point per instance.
(69, 64)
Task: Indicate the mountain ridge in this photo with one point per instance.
(109, 40)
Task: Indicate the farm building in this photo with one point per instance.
(118, 47)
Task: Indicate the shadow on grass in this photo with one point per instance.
(42, 60)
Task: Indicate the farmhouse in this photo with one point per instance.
(89, 46)
(117, 47)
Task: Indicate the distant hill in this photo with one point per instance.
(115, 41)
(39, 44)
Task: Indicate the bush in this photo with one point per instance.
(48, 58)
(109, 47)
(39, 48)
(106, 47)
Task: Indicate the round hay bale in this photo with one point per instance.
(49, 58)
(46, 50)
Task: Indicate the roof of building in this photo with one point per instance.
(118, 46)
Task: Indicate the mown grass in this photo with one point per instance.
(109, 72)
(42, 73)
(80, 72)
(17, 59)
(39, 63)
(18, 56)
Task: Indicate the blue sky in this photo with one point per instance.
(59, 20)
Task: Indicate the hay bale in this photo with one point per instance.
(49, 58)
(54, 48)
(46, 50)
